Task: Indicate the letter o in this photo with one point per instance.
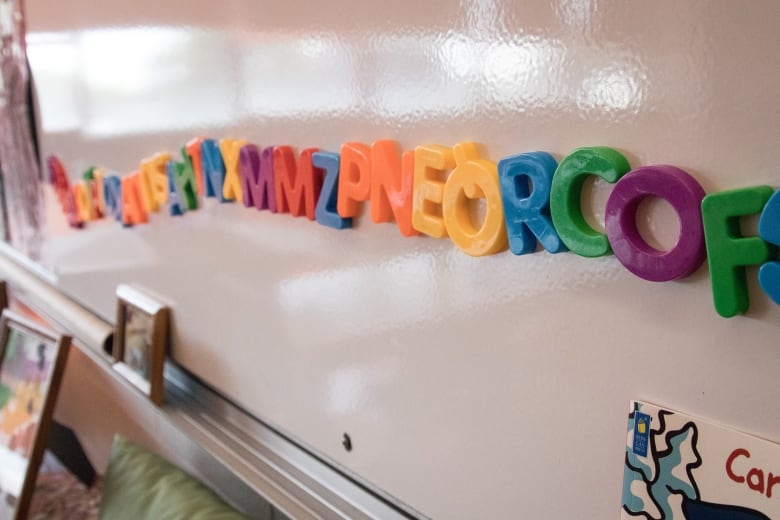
(471, 180)
(684, 194)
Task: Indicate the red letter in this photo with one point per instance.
(734, 454)
(297, 186)
(770, 483)
(756, 485)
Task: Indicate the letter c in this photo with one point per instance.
(734, 454)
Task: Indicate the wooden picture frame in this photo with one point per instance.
(141, 340)
(32, 362)
(3, 295)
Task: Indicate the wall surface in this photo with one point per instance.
(471, 387)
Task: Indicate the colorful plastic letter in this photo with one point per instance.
(684, 194)
(257, 177)
(96, 187)
(213, 169)
(728, 251)
(769, 230)
(431, 165)
(83, 198)
(473, 178)
(566, 191)
(193, 152)
(175, 197)
(298, 185)
(153, 181)
(527, 212)
(231, 151)
(186, 184)
(392, 180)
(354, 178)
(132, 207)
(59, 180)
(326, 212)
(112, 195)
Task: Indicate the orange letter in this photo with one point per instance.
(354, 178)
(132, 206)
(297, 186)
(391, 186)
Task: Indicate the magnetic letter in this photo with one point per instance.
(59, 180)
(326, 212)
(132, 206)
(185, 183)
(231, 150)
(82, 193)
(392, 181)
(354, 178)
(193, 151)
(213, 169)
(527, 212)
(257, 177)
(473, 178)
(153, 182)
(684, 194)
(112, 195)
(565, 194)
(96, 186)
(175, 198)
(298, 185)
(769, 230)
(728, 251)
(431, 164)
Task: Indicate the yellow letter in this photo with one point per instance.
(474, 178)
(431, 163)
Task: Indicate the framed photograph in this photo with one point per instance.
(141, 340)
(32, 361)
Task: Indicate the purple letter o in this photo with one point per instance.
(680, 190)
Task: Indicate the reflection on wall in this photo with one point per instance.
(147, 79)
(120, 81)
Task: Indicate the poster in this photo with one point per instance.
(678, 467)
(25, 373)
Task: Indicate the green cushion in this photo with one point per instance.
(140, 485)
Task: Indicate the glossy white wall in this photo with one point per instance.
(492, 387)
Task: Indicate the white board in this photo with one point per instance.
(471, 387)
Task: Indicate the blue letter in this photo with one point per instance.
(326, 213)
(527, 214)
(213, 168)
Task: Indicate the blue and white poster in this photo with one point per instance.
(679, 467)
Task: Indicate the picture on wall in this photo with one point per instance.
(679, 467)
(32, 361)
(140, 340)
